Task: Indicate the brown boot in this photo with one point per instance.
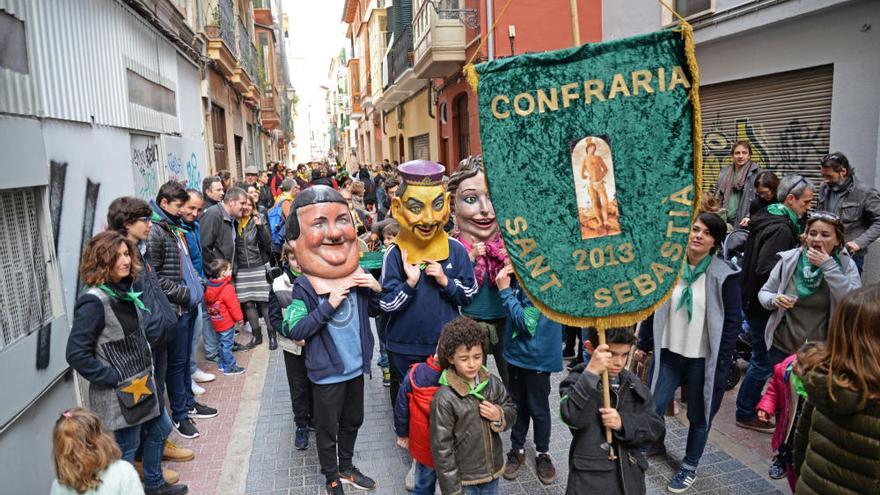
(171, 477)
(515, 461)
(544, 469)
(174, 453)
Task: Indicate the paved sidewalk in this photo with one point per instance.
(277, 468)
(202, 475)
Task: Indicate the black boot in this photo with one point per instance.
(256, 340)
(273, 341)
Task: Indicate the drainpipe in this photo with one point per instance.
(490, 19)
(209, 127)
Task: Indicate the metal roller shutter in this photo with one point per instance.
(786, 117)
(420, 147)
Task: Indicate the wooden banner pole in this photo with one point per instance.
(575, 24)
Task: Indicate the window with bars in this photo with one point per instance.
(25, 298)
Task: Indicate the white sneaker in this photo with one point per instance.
(202, 377)
(197, 390)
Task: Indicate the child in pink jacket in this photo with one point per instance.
(784, 399)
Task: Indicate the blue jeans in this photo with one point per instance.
(759, 370)
(179, 376)
(156, 431)
(426, 480)
(381, 321)
(676, 370)
(860, 262)
(490, 488)
(203, 327)
(212, 340)
(227, 360)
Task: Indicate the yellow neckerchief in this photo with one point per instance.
(242, 222)
(282, 197)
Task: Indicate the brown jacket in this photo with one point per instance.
(467, 449)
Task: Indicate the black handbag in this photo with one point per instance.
(160, 323)
(137, 397)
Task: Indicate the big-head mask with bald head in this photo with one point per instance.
(421, 207)
(325, 239)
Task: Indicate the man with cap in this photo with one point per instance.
(250, 175)
(426, 275)
(330, 310)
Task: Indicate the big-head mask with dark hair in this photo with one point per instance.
(325, 238)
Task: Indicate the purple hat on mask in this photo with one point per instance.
(422, 173)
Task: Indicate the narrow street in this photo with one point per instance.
(249, 447)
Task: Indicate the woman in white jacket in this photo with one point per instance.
(806, 285)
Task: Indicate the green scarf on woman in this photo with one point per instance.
(807, 277)
(131, 295)
(689, 276)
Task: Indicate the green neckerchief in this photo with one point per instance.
(131, 295)
(808, 278)
(689, 276)
(176, 229)
(531, 315)
(472, 390)
(796, 382)
(780, 210)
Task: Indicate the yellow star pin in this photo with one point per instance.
(138, 388)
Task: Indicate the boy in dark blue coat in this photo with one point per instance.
(532, 350)
(330, 309)
(426, 276)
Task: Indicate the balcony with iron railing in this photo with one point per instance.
(399, 58)
(400, 80)
(220, 32)
(270, 108)
(440, 37)
(245, 76)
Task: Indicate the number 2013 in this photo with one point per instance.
(607, 256)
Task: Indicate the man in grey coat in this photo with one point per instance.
(218, 226)
(856, 203)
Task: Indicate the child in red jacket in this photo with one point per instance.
(785, 396)
(412, 412)
(224, 311)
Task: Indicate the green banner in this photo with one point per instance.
(592, 157)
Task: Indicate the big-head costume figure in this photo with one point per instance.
(330, 309)
(421, 207)
(426, 276)
(477, 229)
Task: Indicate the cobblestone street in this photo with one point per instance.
(277, 468)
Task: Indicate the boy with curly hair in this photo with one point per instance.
(470, 406)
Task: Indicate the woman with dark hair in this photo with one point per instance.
(693, 336)
(108, 347)
(806, 285)
(736, 183)
(766, 185)
(253, 246)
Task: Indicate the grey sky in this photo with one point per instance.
(316, 35)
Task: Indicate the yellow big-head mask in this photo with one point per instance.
(422, 211)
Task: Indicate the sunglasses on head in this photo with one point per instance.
(824, 215)
(796, 184)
